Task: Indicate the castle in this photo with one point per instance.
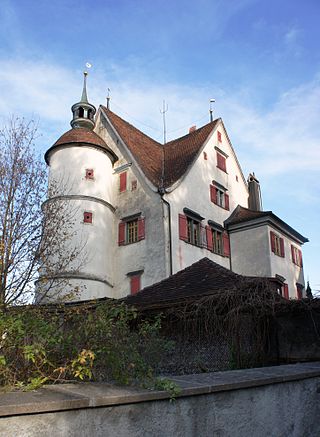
(148, 210)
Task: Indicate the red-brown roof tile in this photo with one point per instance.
(203, 278)
(79, 135)
(176, 156)
(241, 215)
(147, 152)
(179, 154)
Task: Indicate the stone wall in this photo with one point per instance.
(271, 401)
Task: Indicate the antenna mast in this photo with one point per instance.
(163, 112)
(108, 99)
(211, 109)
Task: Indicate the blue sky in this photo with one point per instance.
(259, 59)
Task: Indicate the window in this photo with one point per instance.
(134, 185)
(89, 173)
(219, 136)
(299, 291)
(285, 291)
(221, 162)
(123, 181)
(218, 240)
(191, 229)
(277, 244)
(135, 284)
(131, 231)
(205, 156)
(87, 217)
(219, 196)
(296, 256)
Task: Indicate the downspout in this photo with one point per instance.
(162, 192)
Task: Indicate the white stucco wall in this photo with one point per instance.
(251, 255)
(284, 266)
(96, 252)
(250, 252)
(193, 192)
(151, 254)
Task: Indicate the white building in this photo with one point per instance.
(148, 210)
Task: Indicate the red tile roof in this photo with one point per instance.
(79, 135)
(179, 154)
(176, 156)
(241, 215)
(203, 278)
(146, 151)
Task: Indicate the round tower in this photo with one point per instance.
(79, 209)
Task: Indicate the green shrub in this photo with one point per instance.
(104, 343)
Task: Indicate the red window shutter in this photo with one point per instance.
(209, 238)
(221, 162)
(135, 284)
(121, 233)
(285, 291)
(300, 258)
(282, 247)
(273, 243)
(213, 194)
(226, 244)
(219, 137)
(299, 292)
(141, 228)
(226, 201)
(183, 227)
(123, 181)
(293, 254)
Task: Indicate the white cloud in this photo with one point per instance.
(284, 139)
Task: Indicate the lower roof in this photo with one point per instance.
(203, 278)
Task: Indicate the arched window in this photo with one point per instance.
(80, 112)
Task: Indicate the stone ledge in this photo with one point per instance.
(90, 395)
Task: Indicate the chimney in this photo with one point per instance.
(192, 129)
(254, 200)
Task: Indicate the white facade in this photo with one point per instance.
(134, 237)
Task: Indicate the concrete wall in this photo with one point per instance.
(275, 402)
(193, 192)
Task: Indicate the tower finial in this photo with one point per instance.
(83, 111)
(84, 96)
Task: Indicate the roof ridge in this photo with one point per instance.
(193, 133)
(131, 125)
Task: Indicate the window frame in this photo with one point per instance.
(219, 195)
(131, 230)
(87, 217)
(277, 244)
(296, 256)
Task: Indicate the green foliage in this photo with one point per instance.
(104, 343)
(169, 386)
